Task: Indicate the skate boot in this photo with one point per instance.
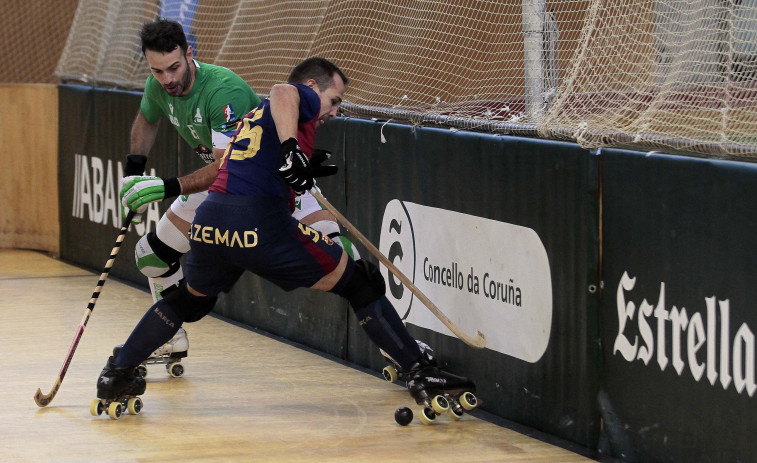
(393, 371)
(117, 390)
(169, 354)
(438, 391)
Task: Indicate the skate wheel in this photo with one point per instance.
(141, 371)
(427, 416)
(390, 374)
(114, 410)
(175, 369)
(96, 407)
(134, 405)
(439, 404)
(455, 413)
(468, 401)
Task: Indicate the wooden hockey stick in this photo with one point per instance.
(44, 399)
(478, 341)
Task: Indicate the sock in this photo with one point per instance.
(385, 328)
(157, 327)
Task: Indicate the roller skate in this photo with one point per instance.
(438, 391)
(169, 354)
(393, 371)
(117, 391)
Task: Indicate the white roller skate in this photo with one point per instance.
(169, 354)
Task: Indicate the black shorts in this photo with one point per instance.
(231, 234)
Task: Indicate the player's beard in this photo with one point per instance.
(178, 88)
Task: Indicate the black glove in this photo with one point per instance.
(319, 156)
(295, 168)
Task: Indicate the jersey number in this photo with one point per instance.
(249, 137)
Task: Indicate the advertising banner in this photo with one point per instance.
(678, 308)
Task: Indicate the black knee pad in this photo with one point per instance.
(365, 286)
(165, 253)
(186, 305)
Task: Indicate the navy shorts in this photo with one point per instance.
(231, 234)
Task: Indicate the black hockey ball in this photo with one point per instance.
(403, 416)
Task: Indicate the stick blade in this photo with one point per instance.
(43, 400)
(479, 341)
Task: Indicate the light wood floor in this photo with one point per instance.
(244, 396)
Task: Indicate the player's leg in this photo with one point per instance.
(158, 257)
(180, 304)
(311, 213)
(363, 285)
(158, 253)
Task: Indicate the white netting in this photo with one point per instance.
(665, 74)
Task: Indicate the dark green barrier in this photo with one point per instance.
(678, 308)
(489, 197)
(93, 142)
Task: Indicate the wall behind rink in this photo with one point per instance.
(654, 361)
(28, 180)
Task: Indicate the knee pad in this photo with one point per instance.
(155, 258)
(327, 227)
(364, 286)
(186, 305)
(331, 229)
(157, 254)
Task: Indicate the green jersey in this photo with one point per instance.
(209, 113)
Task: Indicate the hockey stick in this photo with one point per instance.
(44, 399)
(478, 341)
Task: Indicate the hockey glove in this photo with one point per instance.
(135, 165)
(316, 161)
(295, 168)
(139, 191)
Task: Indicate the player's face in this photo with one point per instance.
(331, 98)
(172, 70)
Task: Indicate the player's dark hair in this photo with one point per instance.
(163, 36)
(319, 69)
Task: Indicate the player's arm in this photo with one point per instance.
(202, 178)
(285, 110)
(143, 134)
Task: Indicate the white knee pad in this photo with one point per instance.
(331, 229)
(157, 254)
(326, 227)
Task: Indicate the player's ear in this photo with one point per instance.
(312, 84)
(189, 53)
